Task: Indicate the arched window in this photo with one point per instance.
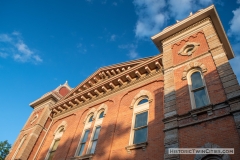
(140, 122)
(90, 119)
(212, 157)
(85, 134)
(19, 146)
(101, 115)
(197, 89)
(96, 132)
(55, 143)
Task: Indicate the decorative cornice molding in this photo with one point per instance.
(186, 29)
(108, 93)
(139, 72)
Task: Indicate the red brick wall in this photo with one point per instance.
(221, 132)
(198, 38)
(115, 129)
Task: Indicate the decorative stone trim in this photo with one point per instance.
(142, 94)
(92, 111)
(136, 146)
(84, 157)
(211, 145)
(119, 81)
(192, 65)
(34, 119)
(186, 29)
(189, 46)
(103, 107)
(110, 92)
(61, 125)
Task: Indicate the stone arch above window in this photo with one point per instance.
(192, 65)
(206, 156)
(93, 112)
(141, 95)
(103, 107)
(61, 126)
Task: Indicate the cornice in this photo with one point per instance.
(207, 14)
(108, 87)
(104, 98)
(103, 74)
(186, 29)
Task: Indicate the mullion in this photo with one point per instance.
(140, 127)
(197, 89)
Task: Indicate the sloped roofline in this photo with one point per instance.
(198, 16)
(137, 61)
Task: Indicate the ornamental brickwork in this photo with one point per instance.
(103, 116)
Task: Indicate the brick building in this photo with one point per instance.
(187, 97)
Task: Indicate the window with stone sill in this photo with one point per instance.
(197, 89)
(139, 131)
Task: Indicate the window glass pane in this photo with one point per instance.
(200, 98)
(94, 143)
(81, 149)
(51, 155)
(101, 114)
(55, 145)
(140, 135)
(141, 119)
(96, 133)
(85, 136)
(143, 101)
(90, 119)
(196, 80)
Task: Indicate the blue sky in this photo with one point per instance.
(44, 43)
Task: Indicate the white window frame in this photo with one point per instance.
(191, 93)
(87, 126)
(19, 146)
(138, 109)
(57, 136)
(98, 123)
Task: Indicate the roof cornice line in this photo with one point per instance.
(110, 92)
(106, 82)
(99, 71)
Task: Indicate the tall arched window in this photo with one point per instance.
(86, 130)
(96, 132)
(19, 146)
(197, 89)
(55, 143)
(140, 122)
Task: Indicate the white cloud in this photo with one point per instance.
(235, 66)
(113, 37)
(133, 54)
(206, 2)
(181, 9)
(13, 45)
(238, 1)
(151, 17)
(15, 33)
(234, 24)
(5, 38)
(3, 55)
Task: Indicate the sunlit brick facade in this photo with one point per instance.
(185, 97)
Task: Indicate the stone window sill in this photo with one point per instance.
(136, 146)
(84, 157)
